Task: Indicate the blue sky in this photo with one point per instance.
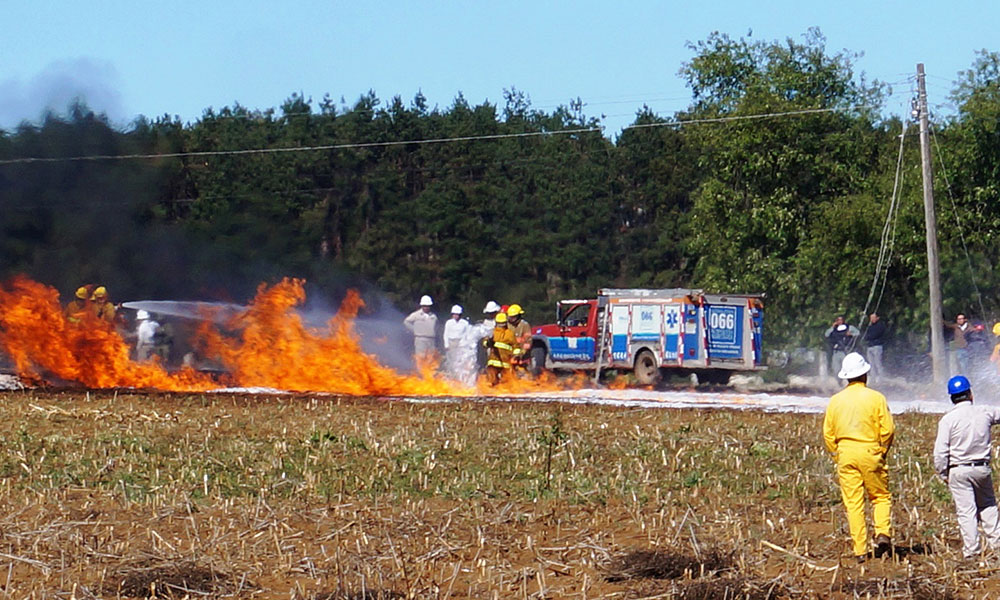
(137, 57)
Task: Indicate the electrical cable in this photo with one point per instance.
(887, 241)
(958, 222)
(470, 138)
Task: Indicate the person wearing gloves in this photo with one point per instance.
(79, 306)
(454, 331)
(858, 430)
(422, 323)
(962, 460)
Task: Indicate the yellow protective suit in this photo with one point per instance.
(858, 429)
(500, 352)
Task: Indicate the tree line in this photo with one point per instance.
(792, 204)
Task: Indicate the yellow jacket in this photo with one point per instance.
(858, 415)
(503, 348)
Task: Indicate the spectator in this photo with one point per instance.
(875, 339)
(840, 339)
(959, 344)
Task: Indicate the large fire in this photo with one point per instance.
(268, 345)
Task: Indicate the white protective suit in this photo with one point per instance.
(466, 367)
(454, 331)
(144, 338)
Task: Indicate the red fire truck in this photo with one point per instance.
(649, 331)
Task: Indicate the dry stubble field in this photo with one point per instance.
(173, 495)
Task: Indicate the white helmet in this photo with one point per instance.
(457, 309)
(141, 314)
(425, 300)
(854, 365)
(491, 307)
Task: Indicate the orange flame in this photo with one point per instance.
(38, 337)
(268, 345)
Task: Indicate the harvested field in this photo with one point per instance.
(219, 495)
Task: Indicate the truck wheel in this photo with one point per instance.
(647, 372)
(537, 360)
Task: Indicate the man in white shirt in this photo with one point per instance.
(454, 330)
(962, 459)
(422, 323)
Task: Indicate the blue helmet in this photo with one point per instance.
(958, 384)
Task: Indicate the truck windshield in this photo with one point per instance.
(574, 315)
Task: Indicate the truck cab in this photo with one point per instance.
(570, 342)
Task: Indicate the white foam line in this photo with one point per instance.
(632, 398)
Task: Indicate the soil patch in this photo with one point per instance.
(668, 564)
(170, 580)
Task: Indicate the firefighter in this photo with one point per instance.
(100, 306)
(485, 329)
(858, 431)
(422, 323)
(522, 333)
(79, 305)
(501, 349)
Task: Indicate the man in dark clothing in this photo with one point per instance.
(840, 339)
(875, 338)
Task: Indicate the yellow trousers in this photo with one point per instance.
(861, 469)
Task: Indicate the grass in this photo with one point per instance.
(304, 497)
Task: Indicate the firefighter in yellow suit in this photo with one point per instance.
(79, 305)
(858, 430)
(500, 349)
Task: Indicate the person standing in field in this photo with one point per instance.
(145, 333)
(501, 350)
(454, 330)
(422, 323)
(959, 344)
(962, 452)
(522, 333)
(468, 358)
(858, 430)
(840, 339)
(875, 339)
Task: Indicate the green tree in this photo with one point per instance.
(769, 182)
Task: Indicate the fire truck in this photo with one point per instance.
(652, 332)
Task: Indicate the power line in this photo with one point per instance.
(469, 138)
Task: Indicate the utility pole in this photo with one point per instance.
(938, 358)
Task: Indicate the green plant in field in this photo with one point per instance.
(761, 450)
(939, 491)
(319, 437)
(551, 437)
(693, 479)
